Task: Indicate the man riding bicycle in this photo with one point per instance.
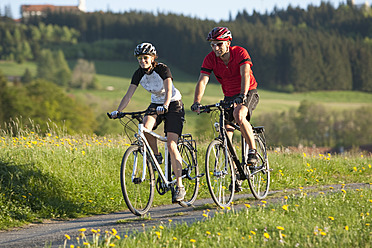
(232, 67)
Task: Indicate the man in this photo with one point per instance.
(232, 67)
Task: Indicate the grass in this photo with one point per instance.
(58, 176)
(15, 69)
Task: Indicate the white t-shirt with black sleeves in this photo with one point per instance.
(154, 83)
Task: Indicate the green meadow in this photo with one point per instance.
(62, 177)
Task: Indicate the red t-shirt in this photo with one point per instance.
(229, 76)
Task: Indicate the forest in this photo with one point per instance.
(293, 50)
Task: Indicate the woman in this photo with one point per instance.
(156, 78)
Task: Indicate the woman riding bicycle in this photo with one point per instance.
(166, 102)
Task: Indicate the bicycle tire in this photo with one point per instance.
(259, 178)
(189, 168)
(220, 176)
(137, 195)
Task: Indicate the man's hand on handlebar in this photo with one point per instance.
(240, 99)
(196, 107)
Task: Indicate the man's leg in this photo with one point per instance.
(240, 116)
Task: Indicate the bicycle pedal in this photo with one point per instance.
(184, 172)
(200, 175)
(137, 180)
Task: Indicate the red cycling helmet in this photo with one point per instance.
(219, 33)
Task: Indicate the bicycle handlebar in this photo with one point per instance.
(133, 115)
(219, 105)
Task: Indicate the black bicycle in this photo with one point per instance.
(222, 164)
(139, 164)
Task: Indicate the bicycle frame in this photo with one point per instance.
(228, 143)
(141, 137)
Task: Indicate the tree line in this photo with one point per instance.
(320, 48)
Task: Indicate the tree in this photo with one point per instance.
(51, 103)
(63, 72)
(83, 75)
(46, 65)
(52, 66)
(26, 77)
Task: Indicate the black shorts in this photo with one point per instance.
(250, 103)
(174, 118)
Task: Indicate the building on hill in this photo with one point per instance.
(28, 11)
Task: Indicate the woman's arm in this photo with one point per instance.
(126, 99)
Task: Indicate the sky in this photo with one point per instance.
(216, 10)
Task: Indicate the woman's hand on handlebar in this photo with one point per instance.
(114, 114)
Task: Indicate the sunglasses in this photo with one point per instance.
(219, 44)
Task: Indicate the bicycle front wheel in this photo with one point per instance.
(190, 171)
(220, 174)
(259, 176)
(137, 181)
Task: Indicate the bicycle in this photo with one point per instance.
(223, 167)
(139, 166)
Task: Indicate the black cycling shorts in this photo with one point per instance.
(174, 118)
(251, 103)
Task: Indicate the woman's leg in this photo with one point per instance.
(149, 122)
(176, 159)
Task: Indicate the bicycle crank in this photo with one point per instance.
(161, 187)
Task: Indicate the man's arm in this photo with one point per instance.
(245, 72)
(200, 87)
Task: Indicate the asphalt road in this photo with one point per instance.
(51, 233)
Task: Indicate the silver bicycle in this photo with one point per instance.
(141, 173)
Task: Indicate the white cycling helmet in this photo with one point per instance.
(145, 48)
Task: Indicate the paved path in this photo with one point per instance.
(52, 233)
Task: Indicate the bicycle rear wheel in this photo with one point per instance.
(259, 176)
(138, 191)
(190, 171)
(220, 174)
